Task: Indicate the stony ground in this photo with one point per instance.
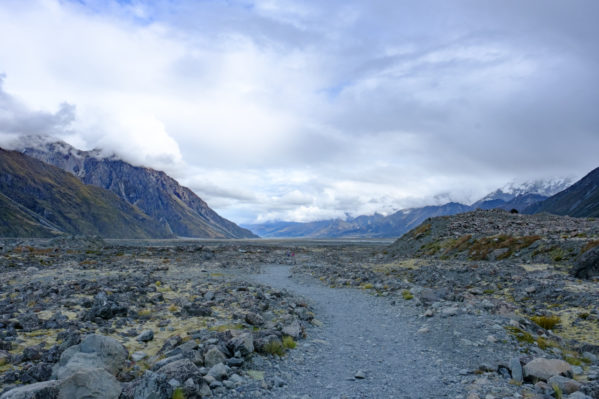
(284, 319)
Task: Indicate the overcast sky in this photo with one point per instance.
(304, 110)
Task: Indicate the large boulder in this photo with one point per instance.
(90, 384)
(95, 351)
(243, 343)
(587, 265)
(543, 369)
(566, 385)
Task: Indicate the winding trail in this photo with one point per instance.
(367, 333)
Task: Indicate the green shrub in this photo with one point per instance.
(546, 322)
(274, 348)
(289, 343)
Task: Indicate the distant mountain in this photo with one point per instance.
(512, 196)
(155, 193)
(375, 226)
(579, 200)
(521, 195)
(40, 200)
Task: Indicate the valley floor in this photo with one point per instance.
(324, 319)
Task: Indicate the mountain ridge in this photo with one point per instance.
(41, 200)
(154, 192)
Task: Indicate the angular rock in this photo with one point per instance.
(566, 385)
(150, 386)
(145, 336)
(254, 319)
(543, 369)
(516, 369)
(180, 370)
(213, 356)
(218, 371)
(90, 384)
(243, 343)
(294, 330)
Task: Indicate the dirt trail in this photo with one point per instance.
(365, 333)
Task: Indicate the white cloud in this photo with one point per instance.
(305, 109)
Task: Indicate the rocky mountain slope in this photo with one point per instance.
(154, 192)
(579, 200)
(499, 235)
(41, 200)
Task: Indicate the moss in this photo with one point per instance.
(546, 322)
(407, 295)
(289, 343)
(178, 393)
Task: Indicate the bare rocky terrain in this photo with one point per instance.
(433, 315)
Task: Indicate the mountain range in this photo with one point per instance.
(521, 197)
(174, 210)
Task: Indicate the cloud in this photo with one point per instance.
(308, 109)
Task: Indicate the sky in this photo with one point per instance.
(313, 109)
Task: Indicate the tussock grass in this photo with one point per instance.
(546, 322)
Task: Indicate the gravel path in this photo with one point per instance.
(365, 333)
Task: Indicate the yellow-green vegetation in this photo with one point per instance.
(289, 343)
(589, 245)
(481, 248)
(274, 348)
(457, 244)
(178, 393)
(226, 327)
(407, 295)
(367, 286)
(558, 391)
(158, 283)
(173, 308)
(421, 230)
(546, 322)
(521, 335)
(575, 327)
(557, 254)
(431, 248)
(144, 313)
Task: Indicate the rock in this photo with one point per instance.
(150, 386)
(294, 330)
(587, 266)
(254, 319)
(448, 312)
(90, 384)
(213, 356)
(429, 313)
(218, 371)
(180, 370)
(543, 369)
(137, 356)
(205, 391)
(145, 336)
(516, 369)
(95, 351)
(578, 395)
(360, 375)
(196, 309)
(278, 381)
(40, 390)
(166, 361)
(244, 343)
(577, 370)
(566, 385)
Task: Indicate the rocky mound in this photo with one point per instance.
(499, 235)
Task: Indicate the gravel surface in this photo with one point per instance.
(368, 335)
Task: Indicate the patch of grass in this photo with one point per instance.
(173, 308)
(144, 313)
(226, 327)
(289, 343)
(178, 393)
(558, 391)
(521, 335)
(431, 248)
(421, 230)
(589, 245)
(546, 322)
(368, 286)
(274, 348)
(407, 295)
(481, 248)
(158, 283)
